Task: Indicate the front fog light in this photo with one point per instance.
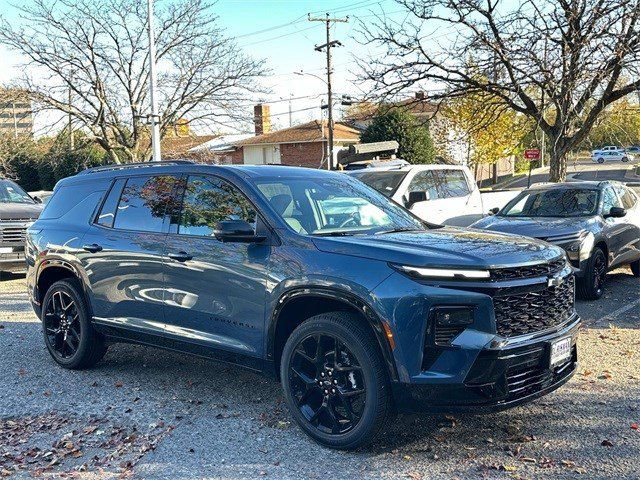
(453, 316)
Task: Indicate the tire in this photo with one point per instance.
(635, 268)
(591, 286)
(66, 325)
(600, 160)
(625, 159)
(308, 381)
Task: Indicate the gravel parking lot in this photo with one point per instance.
(146, 413)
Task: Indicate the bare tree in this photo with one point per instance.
(560, 62)
(89, 59)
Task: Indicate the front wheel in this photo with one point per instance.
(591, 286)
(600, 160)
(68, 334)
(625, 159)
(335, 381)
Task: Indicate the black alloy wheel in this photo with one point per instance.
(335, 380)
(599, 272)
(327, 382)
(591, 285)
(600, 160)
(68, 332)
(62, 325)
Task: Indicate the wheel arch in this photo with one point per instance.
(51, 271)
(297, 305)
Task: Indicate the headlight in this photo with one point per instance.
(451, 273)
(586, 246)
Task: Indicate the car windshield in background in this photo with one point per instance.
(12, 193)
(553, 203)
(335, 206)
(385, 182)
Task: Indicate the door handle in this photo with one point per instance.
(180, 256)
(93, 248)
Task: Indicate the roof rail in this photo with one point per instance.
(124, 166)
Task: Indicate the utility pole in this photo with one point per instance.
(329, 45)
(155, 118)
(69, 120)
(290, 117)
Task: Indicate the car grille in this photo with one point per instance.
(534, 311)
(529, 271)
(528, 380)
(13, 232)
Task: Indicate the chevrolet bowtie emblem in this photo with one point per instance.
(555, 281)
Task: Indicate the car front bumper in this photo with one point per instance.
(505, 374)
(13, 261)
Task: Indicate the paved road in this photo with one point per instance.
(153, 414)
(582, 170)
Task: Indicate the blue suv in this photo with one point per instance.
(359, 308)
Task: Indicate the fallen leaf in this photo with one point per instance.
(118, 384)
(634, 426)
(606, 443)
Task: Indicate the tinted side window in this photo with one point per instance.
(144, 202)
(209, 200)
(451, 183)
(628, 198)
(67, 197)
(108, 211)
(609, 200)
(424, 182)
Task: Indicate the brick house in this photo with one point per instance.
(301, 145)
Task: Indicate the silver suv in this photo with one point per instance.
(17, 211)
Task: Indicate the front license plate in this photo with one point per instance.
(6, 249)
(560, 351)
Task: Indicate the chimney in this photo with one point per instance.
(419, 95)
(261, 119)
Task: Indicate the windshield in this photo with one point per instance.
(572, 202)
(385, 182)
(12, 193)
(334, 206)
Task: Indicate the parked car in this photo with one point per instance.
(596, 223)
(602, 156)
(17, 211)
(609, 148)
(41, 196)
(634, 149)
(309, 276)
(440, 194)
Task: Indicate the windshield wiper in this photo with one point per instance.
(398, 230)
(333, 234)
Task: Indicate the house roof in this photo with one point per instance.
(314, 131)
(225, 143)
(173, 147)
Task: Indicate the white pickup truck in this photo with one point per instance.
(443, 194)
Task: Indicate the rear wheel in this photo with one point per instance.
(625, 159)
(635, 268)
(591, 286)
(68, 334)
(335, 381)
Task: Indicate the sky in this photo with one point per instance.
(277, 31)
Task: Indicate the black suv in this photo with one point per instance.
(359, 308)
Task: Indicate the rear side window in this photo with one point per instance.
(440, 184)
(142, 203)
(628, 198)
(67, 197)
(108, 212)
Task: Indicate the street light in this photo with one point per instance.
(330, 120)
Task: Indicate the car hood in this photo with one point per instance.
(446, 247)
(538, 227)
(18, 211)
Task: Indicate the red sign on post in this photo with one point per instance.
(532, 154)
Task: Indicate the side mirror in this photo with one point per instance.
(415, 197)
(616, 212)
(493, 210)
(37, 199)
(236, 231)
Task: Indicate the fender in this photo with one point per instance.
(341, 296)
(75, 270)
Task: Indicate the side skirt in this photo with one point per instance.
(149, 338)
